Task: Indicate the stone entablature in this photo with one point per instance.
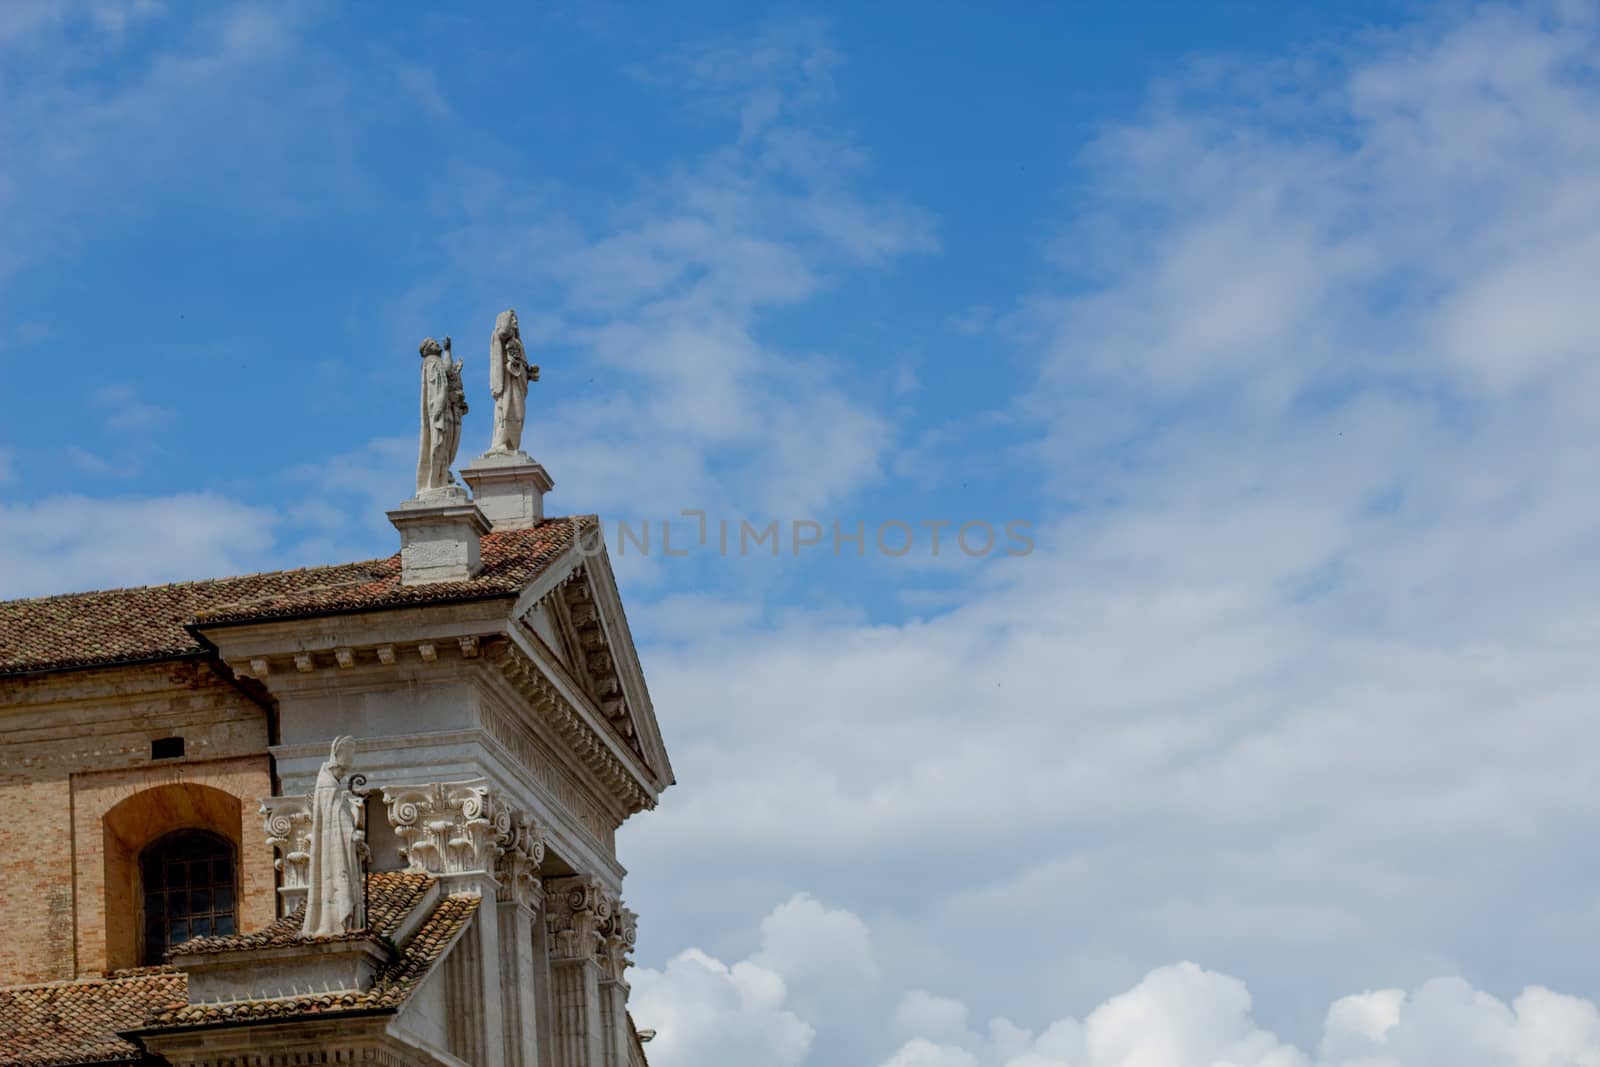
(609, 755)
(598, 752)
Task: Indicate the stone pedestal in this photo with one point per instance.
(439, 534)
(509, 488)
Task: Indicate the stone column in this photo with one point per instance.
(620, 932)
(577, 910)
(519, 904)
(461, 832)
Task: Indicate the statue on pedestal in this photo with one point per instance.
(335, 898)
(509, 375)
(444, 402)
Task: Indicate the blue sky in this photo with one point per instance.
(1275, 321)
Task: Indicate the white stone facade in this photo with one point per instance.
(494, 761)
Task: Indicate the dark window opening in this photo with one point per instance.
(188, 885)
(166, 748)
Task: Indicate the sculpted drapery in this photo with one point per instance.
(444, 402)
(509, 375)
(334, 899)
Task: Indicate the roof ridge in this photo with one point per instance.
(191, 582)
(136, 623)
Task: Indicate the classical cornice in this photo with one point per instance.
(615, 767)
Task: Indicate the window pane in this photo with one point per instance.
(188, 876)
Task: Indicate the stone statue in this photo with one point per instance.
(458, 401)
(509, 375)
(444, 402)
(335, 902)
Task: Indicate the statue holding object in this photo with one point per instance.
(509, 375)
(444, 403)
(335, 882)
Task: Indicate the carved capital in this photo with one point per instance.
(621, 932)
(517, 869)
(455, 828)
(578, 914)
(288, 829)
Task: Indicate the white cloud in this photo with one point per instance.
(23, 22)
(1184, 1016)
(124, 411)
(808, 942)
(1297, 681)
(702, 1008)
(690, 405)
(95, 465)
(64, 543)
(79, 151)
(713, 1014)
(920, 1012)
(920, 1052)
(705, 1011)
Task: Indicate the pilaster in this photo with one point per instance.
(519, 903)
(466, 834)
(620, 933)
(577, 913)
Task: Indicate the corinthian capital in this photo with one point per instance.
(578, 912)
(517, 870)
(450, 828)
(620, 932)
(288, 828)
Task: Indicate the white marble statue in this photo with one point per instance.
(509, 375)
(444, 402)
(334, 878)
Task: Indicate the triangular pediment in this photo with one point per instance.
(576, 615)
(551, 623)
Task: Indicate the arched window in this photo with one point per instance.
(187, 881)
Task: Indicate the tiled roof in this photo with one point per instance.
(150, 622)
(392, 985)
(78, 1022)
(390, 897)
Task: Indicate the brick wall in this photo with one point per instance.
(73, 746)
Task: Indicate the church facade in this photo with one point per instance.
(164, 750)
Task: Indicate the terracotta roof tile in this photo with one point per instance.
(390, 897)
(150, 622)
(393, 984)
(78, 1022)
